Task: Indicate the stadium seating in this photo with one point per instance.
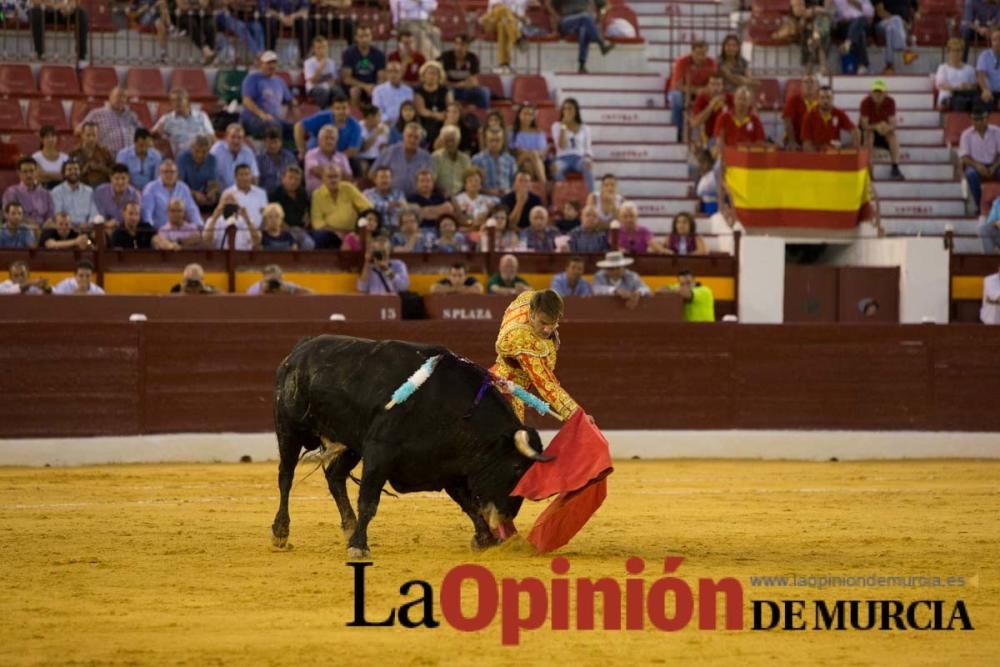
(17, 81)
(11, 117)
(58, 81)
(566, 191)
(229, 84)
(451, 21)
(623, 12)
(531, 89)
(194, 81)
(80, 109)
(97, 82)
(9, 154)
(495, 85)
(769, 94)
(145, 83)
(26, 143)
(47, 112)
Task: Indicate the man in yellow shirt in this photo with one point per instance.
(336, 206)
(526, 349)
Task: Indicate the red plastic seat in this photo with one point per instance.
(568, 190)
(80, 109)
(930, 31)
(141, 110)
(991, 190)
(762, 26)
(11, 118)
(539, 17)
(98, 15)
(539, 189)
(9, 154)
(495, 85)
(545, 117)
(194, 82)
(623, 12)
(27, 142)
(769, 94)
(18, 81)
(771, 7)
(8, 177)
(58, 81)
(451, 21)
(145, 83)
(98, 81)
(954, 125)
(530, 88)
(47, 112)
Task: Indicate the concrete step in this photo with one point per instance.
(910, 118)
(851, 102)
(922, 207)
(664, 206)
(627, 99)
(654, 187)
(647, 169)
(918, 154)
(623, 81)
(917, 171)
(785, 60)
(683, 17)
(968, 246)
(918, 83)
(621, 115)
(919, 190)
(618, 150)
(921, 137)
(605, 132)
(713, 31)
(929, 226)
(645, 9)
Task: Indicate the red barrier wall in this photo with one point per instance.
(63, 379)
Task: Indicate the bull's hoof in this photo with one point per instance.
(355, 552)
(481, 544)
(280, 543)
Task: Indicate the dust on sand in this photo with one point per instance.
(171, 564)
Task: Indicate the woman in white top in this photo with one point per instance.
(572, 140)
(320, 73)
(955, 80)
(607, 201)
(50, 159)
(471, 202)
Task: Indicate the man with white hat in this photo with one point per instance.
(614, 278)
(264, 96)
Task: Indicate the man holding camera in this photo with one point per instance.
(380, 274)
(272, 282)
(228, 214)
(193, 282)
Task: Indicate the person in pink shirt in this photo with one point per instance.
(324, 155)
(633, 238)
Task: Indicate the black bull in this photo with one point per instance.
(331, 391)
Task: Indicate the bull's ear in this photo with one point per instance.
(524, 447)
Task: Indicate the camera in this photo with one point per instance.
(192, 283)
(272, 285)
(378, 255)
(230, 210)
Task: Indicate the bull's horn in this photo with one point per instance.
(521, 442)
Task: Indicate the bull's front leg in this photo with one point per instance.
(372, 480)
(484, 537)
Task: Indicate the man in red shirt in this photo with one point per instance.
(795, 111)
(689, 76)
(878, 122)
(706, 109)
(407, 55)
(823, 125)
(739, 125)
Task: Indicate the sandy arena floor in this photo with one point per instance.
(171, 564)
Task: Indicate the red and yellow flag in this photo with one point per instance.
(786, 189)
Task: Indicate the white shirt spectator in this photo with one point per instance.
(375, 148)
(388, 98)
(990, 312)
(954, 77)
(577, 143)
(253, 201)
(311, 66)
(412, 10)
(77, 202)
(180, 130)
(50, 166)
(243, 239)
(70, 286)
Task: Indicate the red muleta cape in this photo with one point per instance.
(578, 474)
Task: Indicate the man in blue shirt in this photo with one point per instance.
(571, 282)
(273, 160)
(14, 233)
(264, 96)
(988, 69)
(978, 20)
(143, 161)
(231, 152)
(199, 169)
(362, 66)
(338, 115)
(158, 194)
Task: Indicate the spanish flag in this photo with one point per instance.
(786, 189)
